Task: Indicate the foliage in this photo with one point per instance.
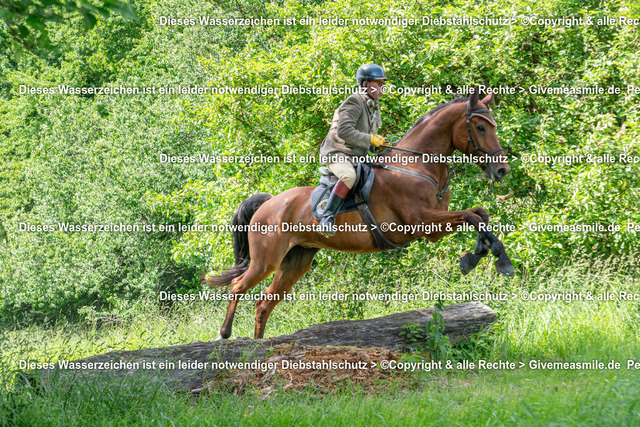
(26, 21)
(572, 332)
(429, 339)
(95, 158)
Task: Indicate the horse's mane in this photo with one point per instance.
(433, 111)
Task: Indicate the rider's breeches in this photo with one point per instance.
(345, 172)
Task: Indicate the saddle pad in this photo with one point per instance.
(319, 197)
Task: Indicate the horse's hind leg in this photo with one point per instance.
(259, 269)
(297, 262)
(254, 275)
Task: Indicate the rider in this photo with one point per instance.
(353, 131)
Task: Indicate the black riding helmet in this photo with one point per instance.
(369, 72)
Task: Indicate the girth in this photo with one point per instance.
(382, 242)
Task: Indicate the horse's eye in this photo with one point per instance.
(480, 128)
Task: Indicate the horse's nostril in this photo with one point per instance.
(501, 172)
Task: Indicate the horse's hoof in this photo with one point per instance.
(497, 248)
(468, 262)
(504, 267)
(481, 249)
(219, 337)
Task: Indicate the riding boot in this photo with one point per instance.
(336, 198)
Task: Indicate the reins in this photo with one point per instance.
(441, 192)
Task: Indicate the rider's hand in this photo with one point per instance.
(377, 140)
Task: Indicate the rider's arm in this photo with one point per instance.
(348, 115)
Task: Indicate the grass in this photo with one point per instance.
(578, 331)
(483, 398)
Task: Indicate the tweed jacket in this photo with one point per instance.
(353, 122)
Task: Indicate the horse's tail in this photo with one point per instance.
(241, 219)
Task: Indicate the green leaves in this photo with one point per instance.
(36, 22)
(96, 158)
(121, 8)
(429, 339)
(34, 36)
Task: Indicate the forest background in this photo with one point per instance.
(98, 159)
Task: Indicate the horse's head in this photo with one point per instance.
(475, 135)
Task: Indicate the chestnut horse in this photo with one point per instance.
(413, 194)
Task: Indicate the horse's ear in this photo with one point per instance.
(487, 99)
(473, 98)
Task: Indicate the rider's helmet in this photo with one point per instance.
(369, 72)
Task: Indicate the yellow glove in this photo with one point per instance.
(377, 140)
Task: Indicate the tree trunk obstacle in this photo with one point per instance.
(187, 367)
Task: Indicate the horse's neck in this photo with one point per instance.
(434, 136)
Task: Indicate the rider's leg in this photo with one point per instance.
(347, 179)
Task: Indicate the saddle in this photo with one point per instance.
(364, 181)
(357, 198)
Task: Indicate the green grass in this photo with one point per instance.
(575, 332)
(486, 398)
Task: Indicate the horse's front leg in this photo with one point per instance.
(486, 239)
(448, 222)
(503, 263)
(469, 261)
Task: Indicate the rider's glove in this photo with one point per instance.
(377, 140)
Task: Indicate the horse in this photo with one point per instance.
(417, 193)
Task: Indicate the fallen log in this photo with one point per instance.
(187, 367)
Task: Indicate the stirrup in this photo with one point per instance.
(327, 226)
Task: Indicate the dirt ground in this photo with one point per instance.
(323, 370)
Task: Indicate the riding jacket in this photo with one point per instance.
(350, 133)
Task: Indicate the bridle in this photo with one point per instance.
(441, 192)
(477, 113)
(470, 140)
